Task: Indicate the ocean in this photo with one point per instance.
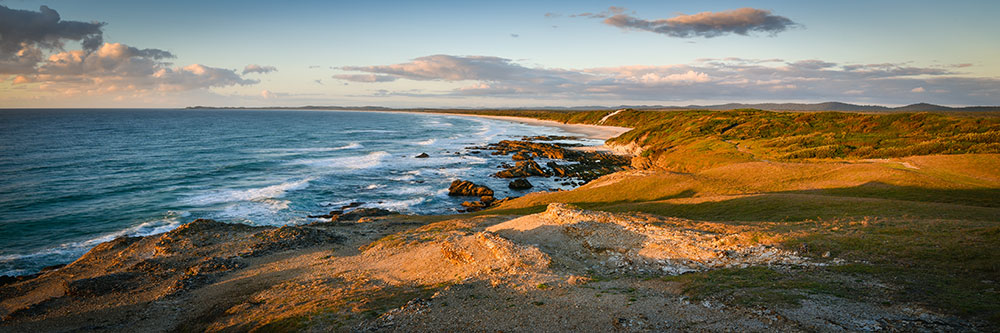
(71, 179)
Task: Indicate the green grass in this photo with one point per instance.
(757, 286)
(674, 139)
(949, 265)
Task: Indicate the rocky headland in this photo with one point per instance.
(709, 234)
(563, 269)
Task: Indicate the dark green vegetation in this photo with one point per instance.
(672, 136)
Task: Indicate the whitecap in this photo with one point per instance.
(349, 162)
(253, 194)
(367, 131)
(426, 142)
(352, 145)
(397, 205)
(407, 190)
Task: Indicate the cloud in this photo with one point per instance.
(705, 79)
(25, 35)
(743, 21)
(515, 35)
(44, 29)
(365, 78)
(613, 10)
(259, 69)
(918, 90)
(119, 68)
(33, 56)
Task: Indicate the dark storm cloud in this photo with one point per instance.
(44, 29)
(743, 21)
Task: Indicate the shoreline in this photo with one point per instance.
(597, 132)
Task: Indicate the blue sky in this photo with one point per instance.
(513, 54)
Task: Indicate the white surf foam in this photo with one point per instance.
(253, 194)
(352, 145)
(370, 160)
(397, 205)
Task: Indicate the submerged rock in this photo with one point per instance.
(464, 188)
(423, 155)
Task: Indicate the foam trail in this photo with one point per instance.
(352, 162)
(253, 194)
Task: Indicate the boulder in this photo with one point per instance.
(423, 155)
(466, 188)
(519, 184)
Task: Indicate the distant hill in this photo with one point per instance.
(825, 106)
(839, 106)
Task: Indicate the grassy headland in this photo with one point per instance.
(821, 221)
(910, 200)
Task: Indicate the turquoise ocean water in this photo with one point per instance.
(71, 179)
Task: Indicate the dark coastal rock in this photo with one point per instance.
(102, 285)
(332, 214)
(523, 169)
(351, 205)
(423, 155)
(549, 138)
(10, 279)
(359, 213)
(466, 188)
(520, 184)
(287, 238)
(474, 205)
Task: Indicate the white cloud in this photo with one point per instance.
(706, 79)
(918, 90)
(119, 68)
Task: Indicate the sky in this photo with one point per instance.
(123, 54)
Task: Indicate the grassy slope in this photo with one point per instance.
(921, 219)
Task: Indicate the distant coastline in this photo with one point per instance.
(805, 107)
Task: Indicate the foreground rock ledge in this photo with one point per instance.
(563, 269)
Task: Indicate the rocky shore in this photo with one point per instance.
(563, 269)
(574, 167)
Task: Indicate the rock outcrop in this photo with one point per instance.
(520, 184)
(464, 188)
(521, 169)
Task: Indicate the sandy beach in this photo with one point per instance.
(590, 131)
(597, 132)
